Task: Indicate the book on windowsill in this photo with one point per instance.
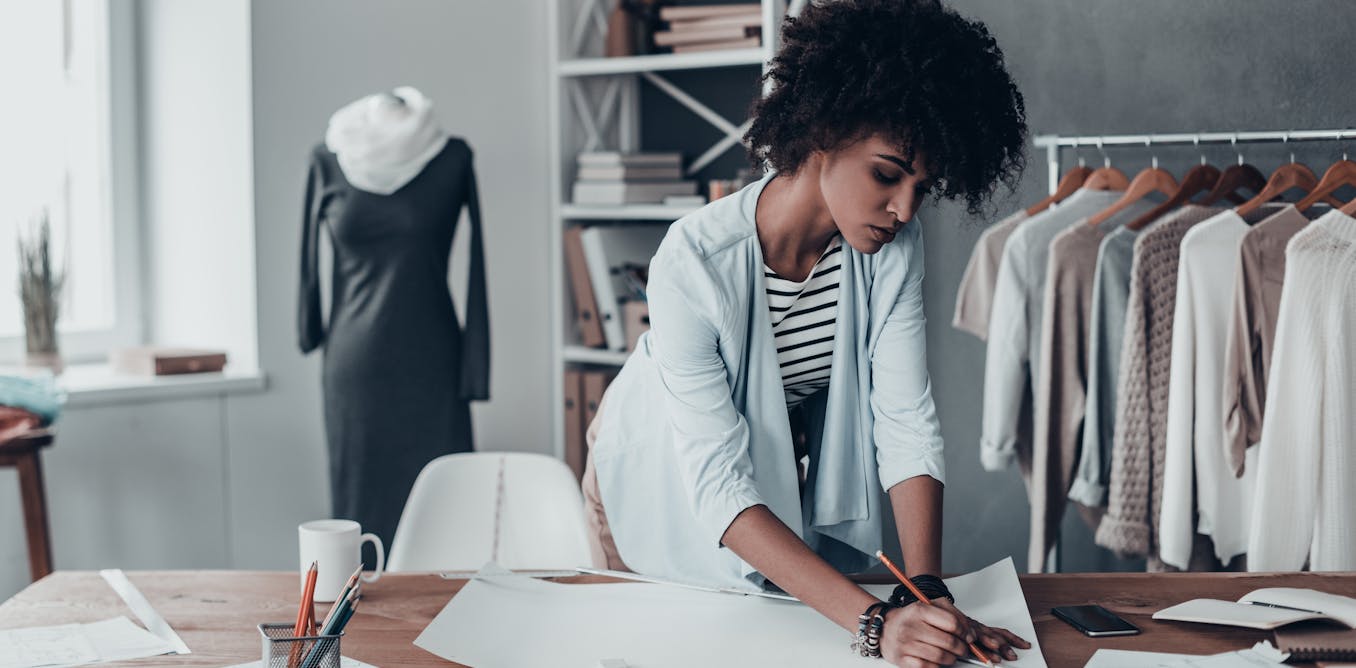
(164, 361)
(747, 43)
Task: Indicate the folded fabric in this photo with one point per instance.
(36, 394)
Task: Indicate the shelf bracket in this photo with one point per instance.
(596, 122)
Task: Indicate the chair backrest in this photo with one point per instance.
(519, 509)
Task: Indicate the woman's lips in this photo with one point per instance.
(882, 235)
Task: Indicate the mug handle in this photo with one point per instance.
(381, 556)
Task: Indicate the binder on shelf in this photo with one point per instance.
(595, 383)
(585, 305)
(607, 248)
(576, 450)
(635, 321)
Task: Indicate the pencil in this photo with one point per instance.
(979, 654)
(305, 614)
(348, 587)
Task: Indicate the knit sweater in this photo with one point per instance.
(1306, 504)
(1142, 392)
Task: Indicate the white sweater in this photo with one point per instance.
(1306, 498)
(1194, 447)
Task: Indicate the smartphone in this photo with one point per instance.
(1094, 620)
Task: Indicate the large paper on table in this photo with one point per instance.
(656, 625)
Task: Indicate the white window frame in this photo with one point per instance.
(121, 201)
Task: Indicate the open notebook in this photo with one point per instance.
(1266, 609)
(1329, 631)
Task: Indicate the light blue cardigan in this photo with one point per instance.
(695, 428)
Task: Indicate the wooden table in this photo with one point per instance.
(215, 612)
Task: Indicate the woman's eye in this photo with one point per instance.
(888, 180)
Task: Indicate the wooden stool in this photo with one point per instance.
(22, 452)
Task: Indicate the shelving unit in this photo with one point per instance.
(595, 105)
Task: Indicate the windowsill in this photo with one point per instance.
(96, 384)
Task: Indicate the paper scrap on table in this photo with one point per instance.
(116, 639)
(1261, 655)
(656, 625)
(344, 662)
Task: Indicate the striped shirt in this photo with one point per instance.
(803, 323)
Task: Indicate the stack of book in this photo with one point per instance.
(695, 28)
(610, 177)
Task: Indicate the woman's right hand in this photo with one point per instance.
(923, 636)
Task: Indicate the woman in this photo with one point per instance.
(799, 300)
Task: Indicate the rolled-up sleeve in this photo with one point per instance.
(710, 436)
(907, 435)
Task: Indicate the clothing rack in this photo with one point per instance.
(1053, 143)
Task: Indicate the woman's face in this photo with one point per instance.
(871, 191)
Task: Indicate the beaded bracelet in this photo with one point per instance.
(869, 626)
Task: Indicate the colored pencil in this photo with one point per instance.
(305, 613)
(979, 654)
(348, 587)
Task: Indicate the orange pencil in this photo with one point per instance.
(979, 654)
(305, 613)
(307, 607)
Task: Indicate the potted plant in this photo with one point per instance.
(40, 293)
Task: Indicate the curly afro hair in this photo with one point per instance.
(913, 71)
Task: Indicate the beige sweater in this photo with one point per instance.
(1142, 397)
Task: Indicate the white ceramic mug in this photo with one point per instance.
(336, 547)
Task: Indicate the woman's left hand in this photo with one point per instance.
(999, 641)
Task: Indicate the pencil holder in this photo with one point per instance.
(283, 650)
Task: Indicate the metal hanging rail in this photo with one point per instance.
(1052, 143)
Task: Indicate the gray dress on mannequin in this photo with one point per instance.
(399, 371)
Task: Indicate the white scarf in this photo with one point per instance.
(381, 143)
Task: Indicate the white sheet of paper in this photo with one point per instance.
(115, 639)
(656, 626)
(45, 646)
(1261, 655)
(344, 662)
(1124, 658)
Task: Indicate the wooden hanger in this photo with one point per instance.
(1235, 178)
(1150, 180)
(1073, 180)
(1290, 175)
(1106, 177)
(1286, 177)
(1198, 179)
(1341, 173)
(1350, 208)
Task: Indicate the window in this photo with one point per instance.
(57, 146)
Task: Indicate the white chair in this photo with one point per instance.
(522, 510)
